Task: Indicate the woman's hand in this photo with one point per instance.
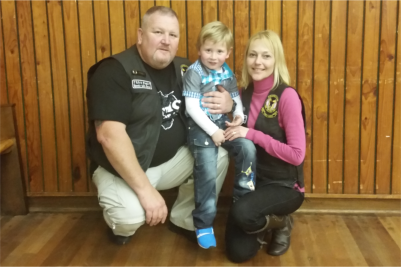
(236, 122)
(232, 133)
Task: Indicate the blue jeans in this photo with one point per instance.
(204, 152)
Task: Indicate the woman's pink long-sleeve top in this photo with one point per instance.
(290, 119)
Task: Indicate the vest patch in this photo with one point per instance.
(141, 84)
(183, 69)
(269, 110)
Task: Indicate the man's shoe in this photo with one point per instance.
(281, 238)
(190, 235)
(118, 239)
(206, 238)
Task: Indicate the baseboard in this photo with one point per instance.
(341, 204)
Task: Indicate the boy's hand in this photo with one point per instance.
(218, 137)
(236, 122)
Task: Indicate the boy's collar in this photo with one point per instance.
(207, 71)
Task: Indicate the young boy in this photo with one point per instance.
(206, 131)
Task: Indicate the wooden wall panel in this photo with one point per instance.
(209, 11)
(385, 97)
(132, 20)
(226, 15)
(180, 8)
(117, 28)
(166, 3)
(60, 94)
(273, 16)
(241, 33)
(353, 97)
(257, 20)
(3, 82)
(343, 58)
(396, 160)
(305, 76)
(369, 96)
(14, 76)
(194, 21)
(289, 37)
(336, 97)
(102, 29)
(45, 95)
(29, 88)
(76, 96)
(320, 94)
(88, 56)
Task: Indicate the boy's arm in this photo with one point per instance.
(194, 110)
(192, 82)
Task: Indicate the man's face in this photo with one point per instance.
(158, 40)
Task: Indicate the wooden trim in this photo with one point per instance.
(349, 196)
(313, 204)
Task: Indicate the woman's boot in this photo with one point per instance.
(272, 222)
(281, 238)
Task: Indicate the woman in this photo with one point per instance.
(276, 125)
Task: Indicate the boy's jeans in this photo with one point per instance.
(204, 152)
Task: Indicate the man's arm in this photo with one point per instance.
(121, 154)
(218, 102)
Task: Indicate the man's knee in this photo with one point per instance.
(123, 226)
(126, 229)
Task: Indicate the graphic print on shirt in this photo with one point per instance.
(269, 110)
(170, 107)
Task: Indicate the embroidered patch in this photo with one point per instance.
(269, 110)
(141, 84)
(183, 69)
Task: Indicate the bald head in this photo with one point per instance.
(162, 10)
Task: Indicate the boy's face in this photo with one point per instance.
(213, 55)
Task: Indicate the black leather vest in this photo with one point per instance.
(146, 118)
(269, 169)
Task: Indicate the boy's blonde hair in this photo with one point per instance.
(217, 32)
(273, 42)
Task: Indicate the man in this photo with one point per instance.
(137, 131)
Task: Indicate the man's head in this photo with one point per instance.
(158, 37)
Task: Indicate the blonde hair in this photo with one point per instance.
(217, 32)
(273, 42)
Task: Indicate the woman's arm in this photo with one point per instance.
(290, 116)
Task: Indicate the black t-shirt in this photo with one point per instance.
(172, 131)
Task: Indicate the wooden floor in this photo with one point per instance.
(68, 239)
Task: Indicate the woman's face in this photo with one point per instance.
(260, 60)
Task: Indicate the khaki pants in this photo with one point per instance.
(122, 210)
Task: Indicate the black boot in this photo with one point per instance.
(272, 222)
(281, 238)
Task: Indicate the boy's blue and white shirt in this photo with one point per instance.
(199, 80)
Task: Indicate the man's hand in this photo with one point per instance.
(218, 137)
(153, 204)
(218, 102)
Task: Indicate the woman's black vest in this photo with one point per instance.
(269, 169)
